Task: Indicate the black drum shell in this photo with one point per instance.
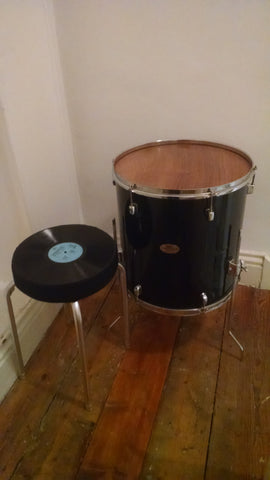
(197, 260)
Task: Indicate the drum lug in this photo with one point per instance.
(236, 269)
(204, 300)
(137, 291)
(243, 267)
(250, 186)
(210, 211)
(211, 214)
(133, 207)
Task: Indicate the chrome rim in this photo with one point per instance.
(184, 194)
(183, 312)
(198, 193)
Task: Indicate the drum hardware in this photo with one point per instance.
(115, 236)
(114, 229)
(184, 193)
(236, 341)
(133, 207)
(114, 322)
(137, 291)
(229, 311)
(243, 268)
(204, 300)
(154, 171)
(187, 312)
(209, 211)
(193, 194)
(250, 186)
(120, 255)
(237, 268)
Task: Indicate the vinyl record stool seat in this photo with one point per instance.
(64, 264)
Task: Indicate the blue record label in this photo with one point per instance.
(65, 252)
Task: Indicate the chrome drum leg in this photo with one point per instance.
(123, 282)
(229, 314)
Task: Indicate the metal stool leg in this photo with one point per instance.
(15, 332)
(123, 282)
(81, 344)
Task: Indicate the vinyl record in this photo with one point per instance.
(64, 263)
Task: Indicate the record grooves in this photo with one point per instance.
(64, 263)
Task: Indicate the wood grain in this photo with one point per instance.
(179, 441)
(198, 410)
(182, 165)
(240, 439)
(45, 413)
(132, 404)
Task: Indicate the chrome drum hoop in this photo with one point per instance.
(198, 193)
(184, 312)
(185, 194)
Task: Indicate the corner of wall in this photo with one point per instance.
(32, 324)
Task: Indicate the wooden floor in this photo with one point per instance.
(182, 403)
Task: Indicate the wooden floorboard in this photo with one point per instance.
(240, 439)
(120, 440)
(182, 403)
(43, 418)
(179, 443)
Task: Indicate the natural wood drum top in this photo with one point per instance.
(182, 165)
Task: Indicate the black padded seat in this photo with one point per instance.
(64, 263)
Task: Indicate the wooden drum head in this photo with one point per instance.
(182, 165)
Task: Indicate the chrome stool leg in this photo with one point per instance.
(15, 331)
(123, 282)
(77, 317)
(81, 344)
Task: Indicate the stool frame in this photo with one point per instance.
(78, 322)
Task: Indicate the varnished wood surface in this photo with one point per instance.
(182, 403)
(179, 441)
(182, 165)
(132, 404)
(240, 438)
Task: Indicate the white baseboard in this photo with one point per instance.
(33, 319)
(258, 269)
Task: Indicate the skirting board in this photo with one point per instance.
(32, 323)
(258, 269)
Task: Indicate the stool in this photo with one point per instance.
(64, 264)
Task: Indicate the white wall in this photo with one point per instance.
(14, 223)
(34, 107)
(38, 177)
(38, 184)
(137, 71)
